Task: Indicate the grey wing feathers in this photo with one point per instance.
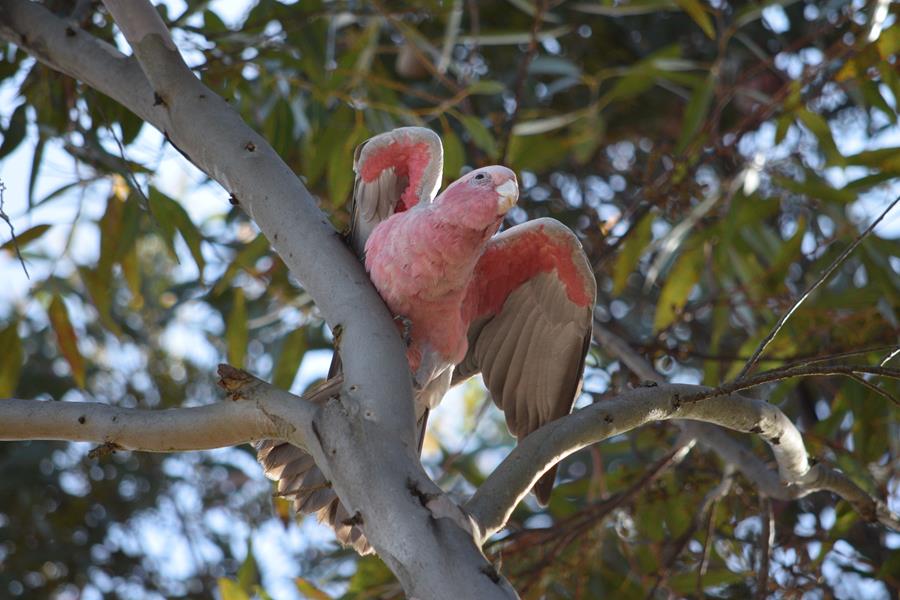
(300, 480)
(531, 353)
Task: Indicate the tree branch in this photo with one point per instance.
(256, 411)
(495, 500)
(733, 453)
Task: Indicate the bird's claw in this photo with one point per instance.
(406, 329)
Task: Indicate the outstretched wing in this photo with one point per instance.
(394, 171)
(530, 312)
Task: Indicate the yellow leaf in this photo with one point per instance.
(10, 359)
(66, 338)
(632, 249)
(696, 11)
(236, 329)
(310, 591)
(230, 590)
(682, 278)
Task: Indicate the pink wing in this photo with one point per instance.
(530, 310)
(394, 171)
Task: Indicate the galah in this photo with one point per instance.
(516, 306)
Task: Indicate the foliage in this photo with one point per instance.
(714, 158)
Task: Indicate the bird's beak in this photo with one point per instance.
(509, 194)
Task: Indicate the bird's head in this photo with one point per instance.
(479, 199)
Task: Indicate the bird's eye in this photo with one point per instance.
(480, 176)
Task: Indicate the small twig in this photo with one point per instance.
(822, 278)
(827, 357)
(889, 357)
(707, 507)
(12, 231)
(450, 36)
(521, 75)
(852, 371)
(704, 557)
(868, 384)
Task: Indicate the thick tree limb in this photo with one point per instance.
(255, 411)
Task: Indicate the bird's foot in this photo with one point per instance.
(405, 329)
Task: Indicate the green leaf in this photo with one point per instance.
(371, 572)
(782, 125)
(35, 168)
(787, 254)
(236, 333)
(536, 152)
(695, 112)
(279, 128)
(626, 9)
(230, 590)
(587, 136)
(244, 259)
(110, 234)
(63, 189)
(885, 159)
(10, 359)
(486, 87)
(632, 249)
(67, 339)
(15, 131)
(817, 188)
(310, 591)
(248, 574)
(25, 238)
(696, 11)
(481, 135)
(686, 582)
(454, 155)
(171, 217)
(682, 278)
(320, 143)
(131, 270)
(819, 127)
(293, 347)
(340, 166)
(98, 286)
(340, 175)
(872, 94)
(637, 80)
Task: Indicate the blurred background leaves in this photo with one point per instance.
(713, 157)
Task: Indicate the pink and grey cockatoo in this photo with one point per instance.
(516, 307)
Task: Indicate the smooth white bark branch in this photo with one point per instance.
(501, 492)
(255, 410)
(709, 436)
(507, 485)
